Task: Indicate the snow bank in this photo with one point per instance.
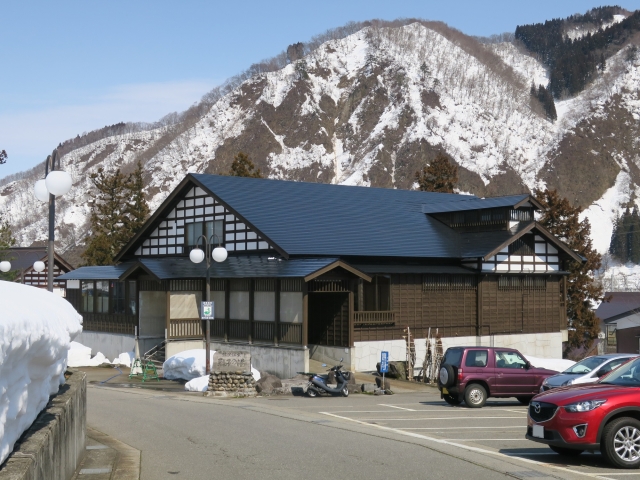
(36, 329)
(80, 356)
(199, 384)
(555, 364)
(186, 365)
(125, 359)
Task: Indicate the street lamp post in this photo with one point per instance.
(219, 254)
(55, 183)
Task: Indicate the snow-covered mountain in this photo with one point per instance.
(371, 109)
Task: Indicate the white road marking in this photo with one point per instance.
(466, 447)
(436, 418)
(485, 439)
(461, 428)
(399, 408)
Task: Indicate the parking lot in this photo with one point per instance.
(495, 432)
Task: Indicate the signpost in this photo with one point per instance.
(207, 311)
(384, 365)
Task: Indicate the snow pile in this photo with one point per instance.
(199, 384)
(36, 328)
(125, 359)
(186, 365)
(80, 356)
(555, 364)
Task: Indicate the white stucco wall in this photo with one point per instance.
(541, 345)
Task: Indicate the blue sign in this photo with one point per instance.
(384, 362)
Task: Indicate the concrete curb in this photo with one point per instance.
(52, 448)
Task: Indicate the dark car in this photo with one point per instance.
(472, 374)
(602, 416)
(588, 370)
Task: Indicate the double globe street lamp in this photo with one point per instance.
(197, 255)
(55, 183)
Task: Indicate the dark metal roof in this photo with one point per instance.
(399, 268)
(109, 272)
(618, 304)
(22, 258)
(474, 203)
(234, 267)
(337, 220)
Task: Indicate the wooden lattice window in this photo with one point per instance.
(449, 282)
(524, 282)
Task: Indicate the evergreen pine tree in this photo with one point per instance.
(613, 250)
(7, 240)
(137, 209)
(424, 70)
(562, 220)
(438, 176)
(634, 239)
(242, 166)
(3, 157)
(118, 212)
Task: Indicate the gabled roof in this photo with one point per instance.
(487, 244)
(618, 304)
(474, 203)
(317, 219)
(23, 258)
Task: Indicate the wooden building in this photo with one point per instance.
(22, 260)
(619, 316)
(330, 271)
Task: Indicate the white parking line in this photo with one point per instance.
(485, 439)
(463, 428)
(467, 447)
(436, 418)
(399, 408)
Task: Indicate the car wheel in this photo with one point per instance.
(475, 396)
(569, 452)
(621, 442)
(447, 375)
(451, 399)
(524, 400)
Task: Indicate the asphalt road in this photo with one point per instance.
(413, 435)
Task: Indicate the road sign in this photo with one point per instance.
(384, 362)
(207, 311)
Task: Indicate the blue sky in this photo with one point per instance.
(73, 66)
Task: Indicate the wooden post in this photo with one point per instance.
(305, 314)
(251, 289)
(351, 327)
(227, 308)
(276, 334)
(479, 310)
(168, 315)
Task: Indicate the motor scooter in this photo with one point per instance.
(318, 383)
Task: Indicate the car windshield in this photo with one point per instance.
(627, 375)
(585, 366)
(453, 356)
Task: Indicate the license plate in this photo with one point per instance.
(445, 391)
(538, 431)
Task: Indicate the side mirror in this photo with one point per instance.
(527, 366)
(340, 359)
(601, 373)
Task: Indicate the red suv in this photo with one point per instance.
(473, 374)
(603, 416)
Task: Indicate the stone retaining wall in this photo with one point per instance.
(52, 448)
(236, 384)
